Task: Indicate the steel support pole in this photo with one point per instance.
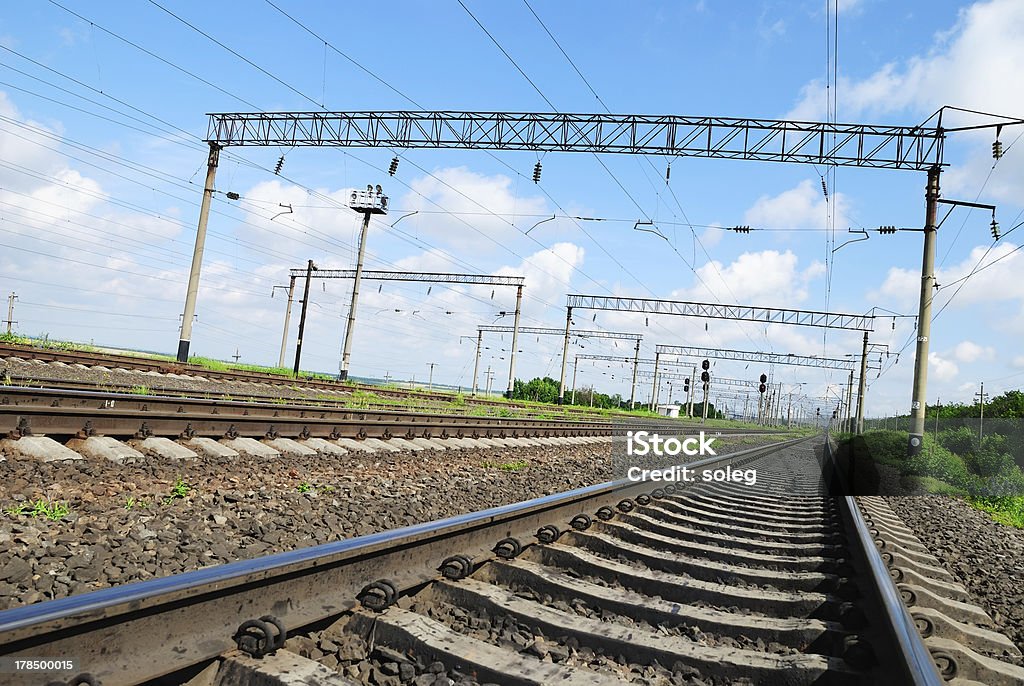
(575, 364)
(565, 355)
(197, 255)
(693, 384)
(287, 322)
(862, 388)
(704, 414)
(654, 383)
(924, 316)
(848, 422)
(302, 317)
(346, 353)
(476, 362)
(515, 343)
(636, 363)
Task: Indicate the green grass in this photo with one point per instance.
(54, 511)
(514, 466)
(1008, 510)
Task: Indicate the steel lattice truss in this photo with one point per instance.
(642, 360)
(860, 145)
(715, 381)
(429, 277)
(767, 358)
(767, 315)
(545, 331)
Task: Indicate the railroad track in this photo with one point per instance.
(776, 582)
(95, 422)
(143, 364)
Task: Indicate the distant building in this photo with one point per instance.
(669, 411)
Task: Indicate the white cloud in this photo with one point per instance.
(941, 368)
(969, 351)
(799, 207)
(491, 203)
(970, 65)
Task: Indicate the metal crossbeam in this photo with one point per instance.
(767, 358)
(545, 331)
(768, 315)
(642, 360)
(858, 145)
(429, 277)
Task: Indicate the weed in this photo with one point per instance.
(305, 487)
(139, 390)
(16, 510)
(129, 502)
(180, 489)
(52, 511)
(327, 489)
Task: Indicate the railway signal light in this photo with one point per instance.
(764, 378)
(705, 377)
(686, 386)
(705, 364)
(762, 388)
(394, 166)
(536, 172)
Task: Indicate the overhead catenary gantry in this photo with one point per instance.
(425, 277)
(773, 315)
(753, 356)
(549, 331)
(913, 148)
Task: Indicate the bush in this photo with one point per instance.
(959, 440)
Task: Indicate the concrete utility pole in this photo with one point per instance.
(197, 254)
(310, 268)
(10, 310)
(515, 343)
(430, 379)
(369, 204)
(490, 377)
(476, 361)
(848, 422)
(287, 318)
(236, 355)
(981, 396)
(565, 354)
(636, 363)
(924, 315)
(863, 385)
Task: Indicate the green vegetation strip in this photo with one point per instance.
(985, 474)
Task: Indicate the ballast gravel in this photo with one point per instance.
(985, 556)
(155, 518)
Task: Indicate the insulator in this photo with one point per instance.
(277, 167)
(995, 230)
(231, 195)
(536, 172)
(997, 150)
(394, 166)
(668, 173)
(824, 188)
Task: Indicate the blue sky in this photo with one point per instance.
(100, 193)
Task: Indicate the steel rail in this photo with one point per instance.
(145, 630)
(238, 375)
(916, 661)
(83, 412)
